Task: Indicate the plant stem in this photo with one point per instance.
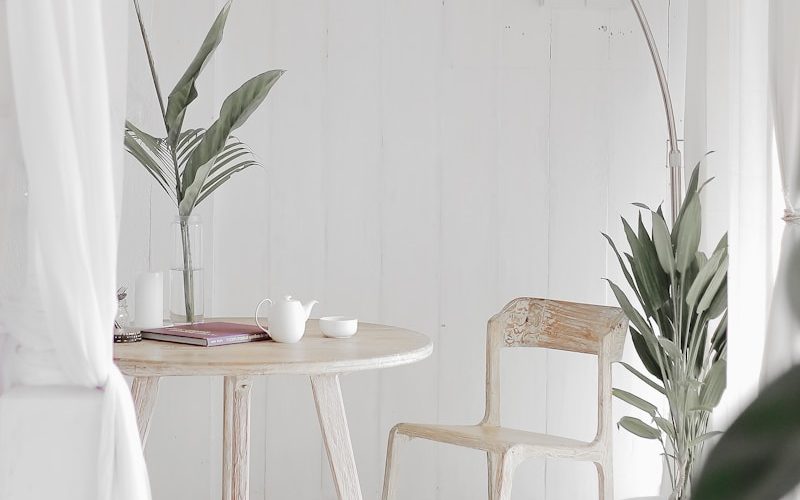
(154, 75)
(188, 271)
(149, 53)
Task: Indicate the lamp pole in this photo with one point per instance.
(674, 161)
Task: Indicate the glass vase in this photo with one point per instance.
(186, 273)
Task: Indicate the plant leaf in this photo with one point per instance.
(628, 309)
(663, 244)
(210, 187)
(643, 377)
(656, 281)
(152, 154)
(720, 303)
(636, 401)
(758, 457)
(688, 235)
(670, 347)
(714, 384)
(714, 286)
(645, 351)
(701, 281)
(639, 428)
(702, 438)
(665, 425)
(236, 108)
(185, 92)
(624, 268)
(720, 337)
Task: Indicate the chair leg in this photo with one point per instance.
(392, 456)
(501, 471)
(605, 480)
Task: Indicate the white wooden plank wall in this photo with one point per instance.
(425, 162)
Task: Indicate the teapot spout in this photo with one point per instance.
(308, 306)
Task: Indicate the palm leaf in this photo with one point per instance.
(236, 109)
(153, 154)
(639, 428)
(643, 377)
(210, 187)
(185, 92)
(635, 401)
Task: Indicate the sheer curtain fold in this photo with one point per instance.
(783, 332)
(71, 139)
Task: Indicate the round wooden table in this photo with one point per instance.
(322, 359)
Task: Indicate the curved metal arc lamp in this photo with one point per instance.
(675, 161)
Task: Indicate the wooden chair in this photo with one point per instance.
(530, 322)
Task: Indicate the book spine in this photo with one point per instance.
(237, 339)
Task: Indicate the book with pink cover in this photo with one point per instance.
(207, 334)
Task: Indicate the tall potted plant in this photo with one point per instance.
(191, 164)
(679, 293)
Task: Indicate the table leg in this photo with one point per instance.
(236, 439)
(145, 392)
(333, 423)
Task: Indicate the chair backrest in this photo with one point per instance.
(555, 324)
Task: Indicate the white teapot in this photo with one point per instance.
(286, 319)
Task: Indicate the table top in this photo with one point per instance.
(372, 347)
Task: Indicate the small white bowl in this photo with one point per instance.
(338, 327)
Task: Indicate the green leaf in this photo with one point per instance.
(185, 92)
(639, 428)
(622, 266)
(646, 353)
(656, 282)
(758, 458)
(628, 309)
(670, 347)
(665, 425)
(212, 186)
(714, 286)
(236, 108)
(701, 281)
(636, 401)
(688, 235)
(714, 384)
(720, 337)
(643, 377)
(663, 244)
(152, 154)
(691, 192)
(704, 437)
(720, 303)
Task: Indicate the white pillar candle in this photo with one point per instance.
(149, 300)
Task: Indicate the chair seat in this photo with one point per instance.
(500, 439)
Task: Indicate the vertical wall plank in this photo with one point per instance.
(468, 139)
(523, 111)
(297, 259)
(353, 150)
(578, 182)
(410, 224)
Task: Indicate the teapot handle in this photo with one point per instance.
(256, 313)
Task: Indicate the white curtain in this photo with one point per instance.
(56, 318)
(727, 111)
(783, 332)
